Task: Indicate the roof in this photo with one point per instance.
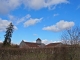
(38, 39)
(53, 44)
(31, 44)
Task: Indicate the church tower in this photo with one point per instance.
(38, 41)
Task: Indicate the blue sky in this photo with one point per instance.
(32, 19)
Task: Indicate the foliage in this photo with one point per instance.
(8, 35)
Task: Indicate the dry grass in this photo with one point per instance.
(58, 53)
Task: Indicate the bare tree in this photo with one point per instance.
(71, 36)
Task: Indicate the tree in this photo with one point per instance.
(8, 35)
(71, 36)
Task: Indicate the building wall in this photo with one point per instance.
(38, 41)
(23, 45)
(42, 45)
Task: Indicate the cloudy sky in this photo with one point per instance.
(32, 19)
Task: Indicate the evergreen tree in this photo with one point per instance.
(8, 35)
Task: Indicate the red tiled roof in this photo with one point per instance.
(52, 44)
(32, 44)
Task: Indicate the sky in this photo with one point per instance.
(44, 19)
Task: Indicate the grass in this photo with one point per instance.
(59, 53)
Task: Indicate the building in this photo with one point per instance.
(52, 45)
(38, 41)
(38, 44)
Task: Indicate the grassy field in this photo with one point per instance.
(58, 53)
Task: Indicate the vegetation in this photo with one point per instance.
(57, 53)
(71, 36)
(8, 35)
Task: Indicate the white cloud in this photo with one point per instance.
(35, 34)
(4, 24)
(59, 26)
(38, 4)
(34, 4)
(55, 14)
(7, 5)
(17, 20)
(78, 7)
(11, 18)
(46, 41)
(23, 18)
(27, 20)
(15, 28)
(32, 22)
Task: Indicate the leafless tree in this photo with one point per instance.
(71, 36)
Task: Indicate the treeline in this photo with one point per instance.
(56, 53)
